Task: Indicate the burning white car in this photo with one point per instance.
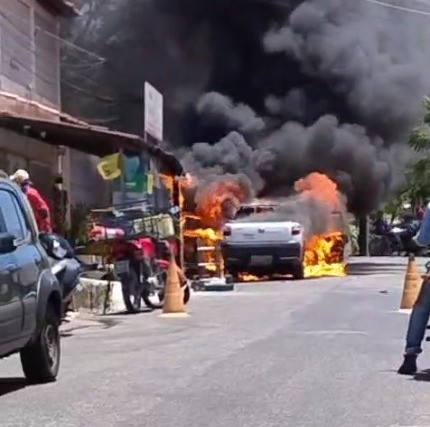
(262, 246)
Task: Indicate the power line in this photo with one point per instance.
(4, 13)
(397, 7)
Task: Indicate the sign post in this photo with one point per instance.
(153, 112)
(154, 128)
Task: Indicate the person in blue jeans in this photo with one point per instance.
(421, 311)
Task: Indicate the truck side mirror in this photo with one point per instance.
(7, 243)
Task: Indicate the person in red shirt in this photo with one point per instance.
(39, 205)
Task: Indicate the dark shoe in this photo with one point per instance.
(409, 366)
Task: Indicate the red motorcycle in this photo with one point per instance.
(141, 264)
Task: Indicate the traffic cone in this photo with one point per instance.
(412, 285)
(174, 295)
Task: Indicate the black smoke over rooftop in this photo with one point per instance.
(288, 87)
(330, 86)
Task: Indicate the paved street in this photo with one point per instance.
(314, 353)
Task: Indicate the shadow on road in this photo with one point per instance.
(423, 375)
(143, 310)
(10, 385)
(369, 268)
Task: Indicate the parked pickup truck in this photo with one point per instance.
(260, 247)
(30, 295)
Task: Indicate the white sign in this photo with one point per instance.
(153, 112)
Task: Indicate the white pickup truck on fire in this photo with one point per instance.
(256, 246)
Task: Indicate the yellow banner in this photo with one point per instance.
(110, 167)
(150, 183)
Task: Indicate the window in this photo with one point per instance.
(16, 42)
(12, 217)
(47, 59)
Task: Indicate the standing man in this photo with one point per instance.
(39, 205)
(59, 208)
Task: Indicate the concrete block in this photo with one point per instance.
(99, 296)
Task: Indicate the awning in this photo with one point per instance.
(89, 139)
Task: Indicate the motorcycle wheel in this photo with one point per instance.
(131, 291)
(154, 299)
(151, 301)
(187, 294)
(379, 247)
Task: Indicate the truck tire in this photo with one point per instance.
(40, 359)
(298, 271)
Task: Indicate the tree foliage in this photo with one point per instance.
(417, 185)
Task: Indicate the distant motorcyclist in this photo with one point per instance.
(420, 212)
(380, 226)
(39, 205)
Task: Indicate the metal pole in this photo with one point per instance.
(363, 236)
(122, 177)
(178, 183)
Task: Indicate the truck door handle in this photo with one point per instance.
(12, 268)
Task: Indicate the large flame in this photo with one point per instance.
(324, 255)
(218, 201)
(214, 202)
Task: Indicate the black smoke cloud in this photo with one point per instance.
(333, 86)
(338, 84)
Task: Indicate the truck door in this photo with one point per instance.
(28, 260)
(11, 310)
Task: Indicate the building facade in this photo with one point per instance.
(30, 71)
(30, 82)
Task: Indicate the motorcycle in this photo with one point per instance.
(143, 274)
(66, 267)
(154, 292)
(397, 240)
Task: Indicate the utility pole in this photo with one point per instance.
(363, 235)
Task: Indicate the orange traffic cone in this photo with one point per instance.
(412, 286)
(174, 296)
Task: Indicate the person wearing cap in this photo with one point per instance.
(39, 205)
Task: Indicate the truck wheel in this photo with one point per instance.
(40, 359)
(298, 271)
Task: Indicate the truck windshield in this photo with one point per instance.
(245, 211)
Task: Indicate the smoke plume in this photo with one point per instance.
(270, 91)
(333, 87)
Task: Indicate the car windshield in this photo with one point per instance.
(246, 211)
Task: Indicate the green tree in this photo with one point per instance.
(418, 174)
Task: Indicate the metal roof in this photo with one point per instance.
(89, 139)
(64, 8)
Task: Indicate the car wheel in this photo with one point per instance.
(298, 271)
(40, 359)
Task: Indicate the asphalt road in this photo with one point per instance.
(313, 353)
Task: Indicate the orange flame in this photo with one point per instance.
(319, 187)
(324, 255)
(214, 199)
(209, 235)
(246, 277)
